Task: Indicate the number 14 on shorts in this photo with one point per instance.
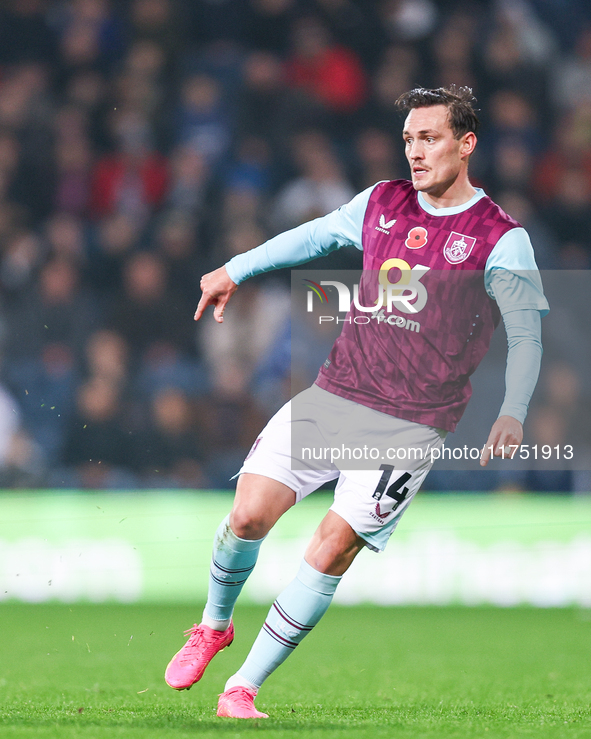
(397, 490)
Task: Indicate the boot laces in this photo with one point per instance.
(243, 697)
(197, 643)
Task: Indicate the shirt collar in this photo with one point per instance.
(454, 209)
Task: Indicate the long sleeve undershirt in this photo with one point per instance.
(524, 355)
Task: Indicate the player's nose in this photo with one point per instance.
(416, 151)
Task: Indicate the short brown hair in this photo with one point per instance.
(459, 102)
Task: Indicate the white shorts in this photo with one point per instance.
(380, 461)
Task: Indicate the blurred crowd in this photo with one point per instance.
(145, 142)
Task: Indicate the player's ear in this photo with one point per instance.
(468, 144)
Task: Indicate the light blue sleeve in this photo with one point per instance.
(512, 278)
(524, 355)
(511, 275)
(342, 227)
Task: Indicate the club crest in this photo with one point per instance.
(458, 247)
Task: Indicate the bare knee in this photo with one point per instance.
(334, 546)
(248, 523)
(258, 505)
(330, 557)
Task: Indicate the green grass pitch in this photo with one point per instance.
(95, 672)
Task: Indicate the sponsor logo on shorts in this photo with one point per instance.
(379, 513)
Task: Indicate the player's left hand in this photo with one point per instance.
(504, 435)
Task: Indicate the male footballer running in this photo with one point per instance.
(437, 251)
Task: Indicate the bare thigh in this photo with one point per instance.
(259, 504)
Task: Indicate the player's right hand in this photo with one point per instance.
(217, 289)
(505, 437)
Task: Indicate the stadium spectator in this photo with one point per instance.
(157, 21)
(73, 175)
(569, 215)
(177, 240)
(512, 141)
(409, 20)
(134, 179)
(453, 50)
(265, 106)
(376, 157)
(398, 67)
(329, 74)
(165, 366)
(524, 211)
(571, 148)
(572, 75)
(45, 387)
(26, 33)
(91, 35)
(517, 54)
(107, 358)
(65, 237)
(202, 120)
(248, 334)
(320, 186)
(268, 25)
(26, 110)
(168, 451)
(21, 462)
(189, 181)
(110, 243)
(147, 311)
(97, 445)
(56, 310)
(354, 26)
(19, 263)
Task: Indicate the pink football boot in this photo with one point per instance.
(188, 665)
(238, 702)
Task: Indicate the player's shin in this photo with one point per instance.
(293, 615)
(232, 562)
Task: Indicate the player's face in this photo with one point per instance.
(436, 158)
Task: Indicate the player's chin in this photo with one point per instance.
(419, 184)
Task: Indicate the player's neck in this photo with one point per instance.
(460, 192)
